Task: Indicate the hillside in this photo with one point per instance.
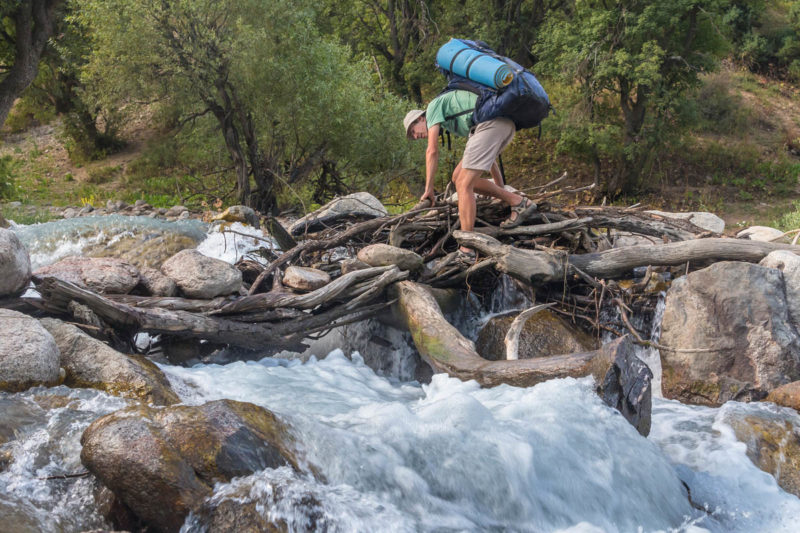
(741, 160)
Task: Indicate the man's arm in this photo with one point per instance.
(431, 161)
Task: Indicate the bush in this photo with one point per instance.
(7, 179)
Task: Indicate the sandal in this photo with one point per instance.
(525, 208)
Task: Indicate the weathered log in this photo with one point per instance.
(182, 324)
(511, 340)
(446, 350)
(536, 267)
(333, 290)
(279, 233)
(173, 303)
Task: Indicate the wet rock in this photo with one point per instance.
(385, 255)
(246, 506)
(106, 275)
(155, 283)
(185, 215)
(627, 387)
(239, 213)
(357, 205)
(544, 334)
(162, 463)
(738, 315)
(15, 264)
(305, 278)
(760, 233)
(773, 444)
(786, 395)
(789, 264)
(701, 219)
(199, 276)
(28, 353)
(90, 363)
(150, 252)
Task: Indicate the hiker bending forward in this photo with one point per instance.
(453, 112)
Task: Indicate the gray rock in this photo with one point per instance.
(69, 212)
(157, 284)
(760, 233)
(106, 275)
(141, 203)
(305, 278)
(185, 215)
(203, 277)
(28, 354)
(627, 387)
(360, 204)
(701, 219)
(239, 213)
(737, 314)
(789, 264)
(163, 463)
(175, 211)
(385, 255)
(15, 264)
(90, 363)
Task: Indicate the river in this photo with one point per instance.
(402, 456)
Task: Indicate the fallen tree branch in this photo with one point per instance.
(512, 335)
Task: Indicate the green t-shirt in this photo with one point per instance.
(448, 104)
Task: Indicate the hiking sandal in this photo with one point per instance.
(525, 208)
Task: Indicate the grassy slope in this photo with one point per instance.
(735, 164)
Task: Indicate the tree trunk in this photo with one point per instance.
(33, 24)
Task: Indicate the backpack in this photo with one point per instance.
(524, 100)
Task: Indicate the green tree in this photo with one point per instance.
(288, 103)
(631, 63)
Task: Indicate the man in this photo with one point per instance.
(453, 112)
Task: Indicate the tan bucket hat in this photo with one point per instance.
(412, 117)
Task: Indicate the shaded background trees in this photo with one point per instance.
(291, 102)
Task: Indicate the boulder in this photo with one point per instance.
(155, 283)
(737, 317)
(773, 444)
(385, 255)
(239, 213)
(28, 353)
(106, 275)
(786, 395)
(356, 205)
(305, 278)
(789, 264)
(15, 264)
(627, 387)
(150, 252)
(199, 276)
(760, 233)
(543, 334)
(162, 463)
(89, 363)
(701, 219)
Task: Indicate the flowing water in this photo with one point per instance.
(443, 457)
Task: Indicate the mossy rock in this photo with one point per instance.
(163, 463)
(544, 334)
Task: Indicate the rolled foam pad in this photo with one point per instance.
(459, 58)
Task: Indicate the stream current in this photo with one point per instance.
(399, 456)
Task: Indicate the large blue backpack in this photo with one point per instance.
(524, 100)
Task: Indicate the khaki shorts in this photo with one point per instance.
(486, 142)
